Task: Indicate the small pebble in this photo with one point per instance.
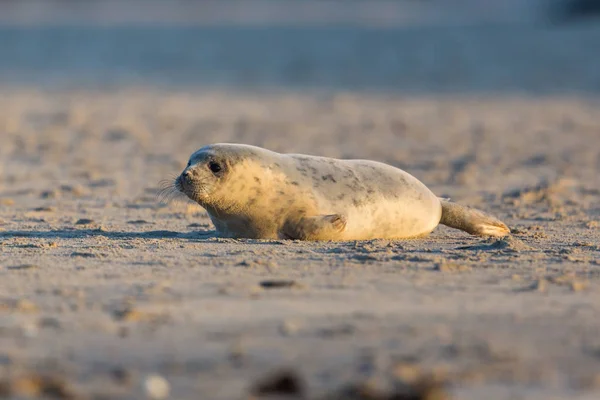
(138, 222)
(276, 284)
(284, 383)
(121, 375)
(49, 322)
(84, 221)
(44, 209)
(82, 254)
(76, 190)
(50, 194)
(22, 266)
(156, 387)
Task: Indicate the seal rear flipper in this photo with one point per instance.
(320, 227)
(471, 220)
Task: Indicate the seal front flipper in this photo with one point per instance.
(320, 227)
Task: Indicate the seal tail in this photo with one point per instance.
(471, 220)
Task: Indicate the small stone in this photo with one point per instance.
(138, 222)
(76, 190)
(156, 387)
(368, 363)
(50, 194)
(44, 209)
(539, 286)
(337, 331)
(583, 244)
(121, 375)
(84, 221)
(101, 183)
(7, 202)
(49, 322)
(278, 284)
(279, 384)
(82, 254)
(22, 267)
(117, 134)
(197, 225)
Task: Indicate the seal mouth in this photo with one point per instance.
(188, 186)
(184, 185)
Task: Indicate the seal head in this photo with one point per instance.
(234, 183)
(204, 170)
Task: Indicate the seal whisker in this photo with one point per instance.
(169, 190)
(167, 195)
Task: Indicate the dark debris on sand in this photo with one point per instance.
(288, 384)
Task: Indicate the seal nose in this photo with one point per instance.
(186, 176)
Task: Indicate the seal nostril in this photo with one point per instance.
(186, 177)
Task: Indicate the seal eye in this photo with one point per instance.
(214, 167)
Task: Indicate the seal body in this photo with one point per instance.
(251, 192)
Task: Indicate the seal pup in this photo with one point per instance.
(251, 192)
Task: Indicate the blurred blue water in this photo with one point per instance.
(493, 59)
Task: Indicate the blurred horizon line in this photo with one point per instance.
(416, 60)
(375, 13)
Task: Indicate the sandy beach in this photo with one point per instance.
(108, 291)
